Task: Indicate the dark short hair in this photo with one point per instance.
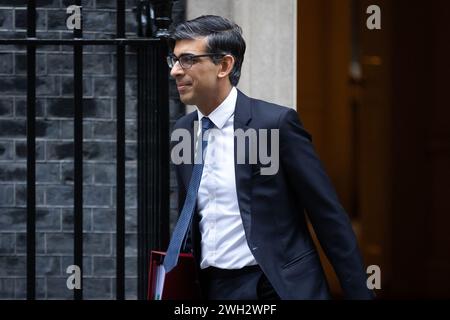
(222, 36)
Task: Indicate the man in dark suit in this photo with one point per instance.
(246, 220)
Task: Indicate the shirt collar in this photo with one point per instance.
(224, 111)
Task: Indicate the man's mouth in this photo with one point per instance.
(183, 86)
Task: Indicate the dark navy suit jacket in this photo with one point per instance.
(273, 209)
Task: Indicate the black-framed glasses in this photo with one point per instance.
(187, 60)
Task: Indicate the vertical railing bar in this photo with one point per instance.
(31, 152)
(144, 161)
(147, 138)
(155, 178)
(78, 156)
(151, 109)
(140, 172)
(147, 162)
(151, 149)
(120, 17)
(120, 174)
(155, 126)
(163, 121)
(160, 155)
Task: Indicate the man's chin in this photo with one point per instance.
(186, 99)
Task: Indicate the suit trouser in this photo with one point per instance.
(248, 283)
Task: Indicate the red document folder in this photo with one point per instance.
(181, 283)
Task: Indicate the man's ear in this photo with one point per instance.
(226, 65)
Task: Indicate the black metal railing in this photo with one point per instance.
(78, 157)
(153, 140)
(31, 152)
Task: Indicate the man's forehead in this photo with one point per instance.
(185, 46)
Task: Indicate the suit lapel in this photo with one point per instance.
(243, 172)
(187, 167)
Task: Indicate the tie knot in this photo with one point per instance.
(206, 124)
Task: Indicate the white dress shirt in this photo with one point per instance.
(223, 243)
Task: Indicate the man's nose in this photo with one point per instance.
(176, 70)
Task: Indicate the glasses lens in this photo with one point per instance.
(186, 61)
(170, 61)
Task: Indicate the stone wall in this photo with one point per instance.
(54, 152)
(269, 27)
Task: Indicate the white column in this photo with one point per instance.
(269, 30)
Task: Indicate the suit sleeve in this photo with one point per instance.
(331, 223)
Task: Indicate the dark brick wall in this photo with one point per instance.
(54, 152)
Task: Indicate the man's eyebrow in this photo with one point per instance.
(186, 54)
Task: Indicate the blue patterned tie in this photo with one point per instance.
(173, 251)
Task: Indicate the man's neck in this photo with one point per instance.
(210, 107)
